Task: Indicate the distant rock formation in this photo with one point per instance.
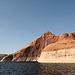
(2, 55)
(48, 42)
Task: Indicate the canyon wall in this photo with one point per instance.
(48, 42)
(58, 56)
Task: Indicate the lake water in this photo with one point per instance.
(35, 68)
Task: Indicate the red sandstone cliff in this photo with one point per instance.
(33, 50)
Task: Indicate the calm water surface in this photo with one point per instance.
(35, 68)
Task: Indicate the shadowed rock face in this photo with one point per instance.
(33, 50)
(8, 58)
(2, 55)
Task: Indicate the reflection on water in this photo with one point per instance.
(35, 68)
(56, 69)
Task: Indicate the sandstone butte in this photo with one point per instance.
(47, 48)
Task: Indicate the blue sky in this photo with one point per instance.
(23, 20)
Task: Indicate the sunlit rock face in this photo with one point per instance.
(59, 52)
(48, 42)
(58, 56)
